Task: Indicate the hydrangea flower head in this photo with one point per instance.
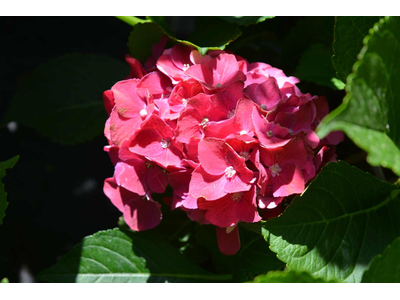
(233, 139)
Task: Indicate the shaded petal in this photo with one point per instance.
(228, 243)
(220, 212)
(142, 214)
(289, 181)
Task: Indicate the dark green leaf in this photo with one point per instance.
(307, 31)
(210, 33)
(62, 98)
(253, 258)
(288, 276)
(333, 231)
(349, 35)
(368, 114)
(143, 36)
(244, 21)
(316, 66)
(385, 267)
(116, 256)
(8, 164)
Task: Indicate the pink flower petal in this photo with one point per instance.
(209, 187)
(142, 214)
(289, 181)
(228, 243)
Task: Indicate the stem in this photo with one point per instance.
(132, 20)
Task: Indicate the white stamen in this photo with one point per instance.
(164, 143)
(185, 67)
(184, 101)
(204, 122)
(243, 132)
(230, 172)
(143, 113)
(275, 169)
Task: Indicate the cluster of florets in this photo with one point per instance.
(231, 138)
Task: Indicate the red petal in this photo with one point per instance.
(228, 243)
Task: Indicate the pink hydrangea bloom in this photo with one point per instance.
(233, 139)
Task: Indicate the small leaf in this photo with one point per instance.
(368, 114)
(245, 21)
(8, 164)
(5, 280)
(288, 276)
(210, 33)
(116, 256)
(335, 228)
(349, 35)
(143, 36)
(385, 268)
(316, 66)
(62, 98)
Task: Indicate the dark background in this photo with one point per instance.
(55, 192)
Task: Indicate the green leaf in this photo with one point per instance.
(253, 258)
(143, 36)
(8, 164)
(335, 228)
(245, 21)
(62, 98)
(316, 66)
(116, 256)
(349, 35)
(385, 267)
(5, 280)
(368, 114)
(288, 276)
(210, 33)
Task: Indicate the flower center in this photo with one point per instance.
(164, 143)
(149, 165)
(204, 122)
(184, 101)
(263, 106)
(245, 155)
(143, 113)
(185, 67)
(275, 169)
(236, 197)
(231, 113)
(230, 172)
(218, 85)
(243, 132)
(270, 133)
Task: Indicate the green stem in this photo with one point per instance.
(132, 20)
